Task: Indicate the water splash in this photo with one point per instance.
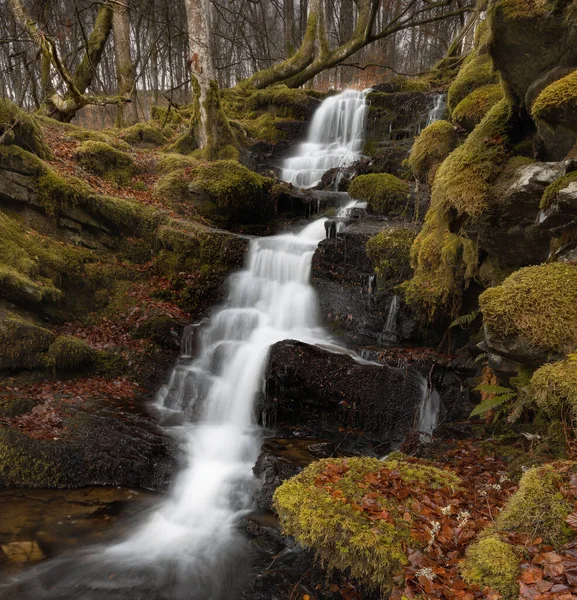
(335, 139)
(391, 322)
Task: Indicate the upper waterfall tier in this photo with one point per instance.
(335, 139)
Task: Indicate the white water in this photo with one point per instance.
(335, 139)
(439, 110)
(391, 323)
(428, 410)
(269, 301)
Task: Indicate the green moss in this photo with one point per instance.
(31, 266)
(125, 215)
(265, 127)
(229, 190)
(175, 162)
(476, 72)
(550, 194)
(538, 508)
(537, 303)
(56, 192)
(444, 265)
(20, 467)
(389, 251)
(494, 563)
(553, 388)
(557, 104)
(104, 160)
(526, 9)
(412, 84)
(282, 100)
(22, 343)
(176, 116)
(69, 353)
(472, 109)
(464, 180)
(431, 148)
(173, 187)
(19, 128)
(147, 134)
(385, 193)
(17, 159)
(326, 517)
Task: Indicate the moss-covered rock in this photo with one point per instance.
(553, 388)
(384, 193)
(322, 512)
(389, 251)
(431, 148)
(69, 353)
(145, 134)
(492, 562)
(476, 72)
(282, 101)
(539, 508)
(473, 108)
(557, 103)
(175, 162)
(102, 159)
(23, 343)
(227, 190)
(551, 193)
(19, 128)
(538, 304)
(172, 188)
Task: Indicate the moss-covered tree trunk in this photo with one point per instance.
(124, 65)
(209, 128)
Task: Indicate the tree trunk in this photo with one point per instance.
(124, 66)
(289, 27)
(201, 63)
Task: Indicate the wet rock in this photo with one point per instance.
(508, 230)
(22, 552)
(100, 442)
(324, 394)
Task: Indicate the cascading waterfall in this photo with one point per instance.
(335, 139)
(439, 110)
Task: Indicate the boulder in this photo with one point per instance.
(323, 393)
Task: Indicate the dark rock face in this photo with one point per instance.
(321, 393)
(513, 40)
(103, 443)
(509, 229)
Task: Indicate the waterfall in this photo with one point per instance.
(428, 410)
(335, 139)
(439, 110)
(391, 322)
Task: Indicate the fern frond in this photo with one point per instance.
(490, 404)
(493, 389)
(464, 320)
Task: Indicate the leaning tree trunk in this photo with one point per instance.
(123, 59)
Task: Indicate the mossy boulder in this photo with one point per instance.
(390, 251)
(69, 353)
(19, 128)
(172, 161)
(384, 193)
(473, 108)
(476, 72)
(551, 194)
(173, 188)
(535, 305)
(23, 343)
(553, 388)
(431, 148)
(225, 190)
(557, 103)
(539, 508)
(322, 509)
(144, 134)
(104, 160)
(492, 562)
